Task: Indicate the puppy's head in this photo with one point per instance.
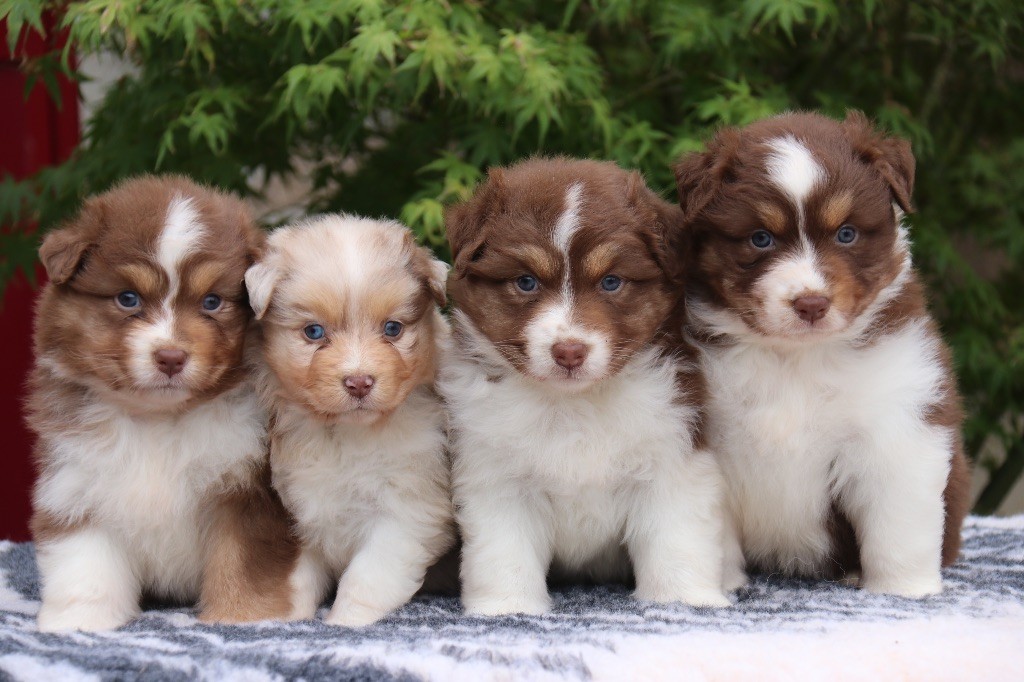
(146, 301)
(560, 267)
(349, 315)
(792, 225)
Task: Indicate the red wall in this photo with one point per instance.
(34, 133)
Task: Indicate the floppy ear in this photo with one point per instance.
(700, 175)
(464, 223)
(255, 237)
(892, 157)
(658, 215)
(432, 272)
(63, 251)
(260, 280)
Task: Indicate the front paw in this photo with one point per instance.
(912, 587)
(697, 597)
(735, 579)
(501, 605)
(354, 615)
(84, 616)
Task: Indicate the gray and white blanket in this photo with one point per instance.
(779, 629)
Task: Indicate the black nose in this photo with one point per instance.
(359, 386)
(170, 361)
(811, 308)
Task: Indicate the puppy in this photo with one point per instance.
(152, 473)
(574, 406)
(351, 339)
(833, 405)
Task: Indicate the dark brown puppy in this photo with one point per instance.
(834, 407)
(574, 407)
(151, 454)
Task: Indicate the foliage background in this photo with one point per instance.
(396, 108)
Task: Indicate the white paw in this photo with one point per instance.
(493, 605)
(691, 597)
(735, 579)
(87, 617)
(354, 617)
(913, 588)
(302, 609)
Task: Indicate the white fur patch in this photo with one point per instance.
(143, 484)
(567, 480)
(371, 505)
(181, 236)
(789, 278)
(793, 169)
(556, 324)
(569, 221)
(798, 427)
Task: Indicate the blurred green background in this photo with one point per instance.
(397, 108)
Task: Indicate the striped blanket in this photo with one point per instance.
(779, 629)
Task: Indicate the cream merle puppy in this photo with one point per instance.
(833, 405)
(151, 457)
(351, 334)
(573, 405)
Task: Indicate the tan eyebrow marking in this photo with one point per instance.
(772, 216)
(146, 279)
(598, 261)
(203, 276)
(837, 208)
(541, 262)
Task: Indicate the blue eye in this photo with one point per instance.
(611, 283)
(526, 283)
(846, 234)
(211, 302)
(392, 329)
(762, 239)
(314, 332)
(129, 300)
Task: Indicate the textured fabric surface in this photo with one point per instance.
(778, 629)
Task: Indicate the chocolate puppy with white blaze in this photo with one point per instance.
(153, 475)
(574, 409)
(833, 405)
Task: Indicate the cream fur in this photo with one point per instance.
(370, 499)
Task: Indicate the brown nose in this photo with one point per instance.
(359, 386)
(811, 308)
(170, 361)
(569, 355)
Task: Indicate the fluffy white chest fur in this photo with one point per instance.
(564, 480)
(799, 428)
(339, 480)
(371, 506)
(147, 481)
(579, 456)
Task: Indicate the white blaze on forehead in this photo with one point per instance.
(555, 323)
(181, 235)
(793, 169)
(569, 222)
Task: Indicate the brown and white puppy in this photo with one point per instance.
(833, 405)
(351, 336)
(152, 472)
(573, 404)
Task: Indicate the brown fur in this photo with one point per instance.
(505, 230)
(251, 553)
